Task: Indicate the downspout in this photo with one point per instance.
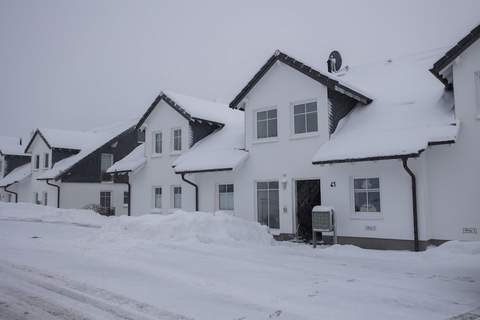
(196, 190)
(129, 190)
(414, 202)
(11, 192)
(58, 191)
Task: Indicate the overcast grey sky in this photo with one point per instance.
(80, 64)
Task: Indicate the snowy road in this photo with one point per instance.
(67, 271)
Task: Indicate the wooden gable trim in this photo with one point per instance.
(37, 132)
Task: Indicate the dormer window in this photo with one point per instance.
(177, 140)
(157, 143)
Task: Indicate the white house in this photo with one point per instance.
(14, 163)
(68, 168)
(393, 150)
(173, 126)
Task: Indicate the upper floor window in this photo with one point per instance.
(126, 198)
(1, 168)
(266, 124)
(305, 118)
(366, 194)
(37, 161)
(106, 161)
(177, 139)
(157, 142)
(477, 89)
(225, 196)
(46, 160)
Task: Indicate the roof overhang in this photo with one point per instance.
(306, 70)
(202, 171)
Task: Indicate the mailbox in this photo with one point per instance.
(323, 221)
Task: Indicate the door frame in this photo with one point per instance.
(294, 200)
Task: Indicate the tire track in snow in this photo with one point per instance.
(118, 306)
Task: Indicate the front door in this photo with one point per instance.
(308, 196)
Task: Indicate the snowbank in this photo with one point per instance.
(457, 247)
(37, 213)
(181, 226)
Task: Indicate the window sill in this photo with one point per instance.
(304, 135)
(366, 216)
(125, 205)
(156, 155)
(175, 153)
(266, 140)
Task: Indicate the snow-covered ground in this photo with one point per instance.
(74, 264)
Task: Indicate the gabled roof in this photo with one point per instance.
(453, 53)
(63, 139)
(191, 108)
(325, 78)
(17, 175)
(398, 123)
(11, 146)
(99, 138)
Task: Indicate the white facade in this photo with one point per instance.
(158, 171)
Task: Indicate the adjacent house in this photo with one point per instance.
(13, 164)
(68, 168)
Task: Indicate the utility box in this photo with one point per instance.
(323, 221)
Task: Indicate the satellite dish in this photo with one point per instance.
(334, 61)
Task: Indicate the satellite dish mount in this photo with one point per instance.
(334, 62)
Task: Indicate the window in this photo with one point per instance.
(367, 194)
(9, 197)
(37, 161)
(305, 118)
(157, 142)
(177, 197)
(225, 196)
(267, 124)
(105, 199)
(157, 197)
(45, 198)
(268, 209)
(36, 198)
(46, 160)
(106, 161)
(1, 168)
(125, 199)
(177, 139)
(477, 86)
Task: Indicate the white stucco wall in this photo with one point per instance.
(454, 171)
(158, 169)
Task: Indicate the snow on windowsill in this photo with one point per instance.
(366, 216)
(265, 140)
(308, 135)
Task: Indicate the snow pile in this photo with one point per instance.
(410, 109)
(11, 146)
(131, 162)
(457, 247)
(37, 213)
(17, 175)
(181, 226)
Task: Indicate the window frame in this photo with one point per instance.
(477, 92)
(2, 164)
(217, 188)
(368, 215)
(36, 198)
(154, 209)
(111, 198)
(125, 204)
(172, 190)
(154, 143)
(255, 137)
(46, 160)
(305, 134)
(172, 140)
(36, 162)
(101, 161)
(256, 202)
(45, 198)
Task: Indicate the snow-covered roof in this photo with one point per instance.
(11, 146)
(131, 162)
(95, 139)
(17, 175)
(191, 108)
(410, 110)
(222, 150)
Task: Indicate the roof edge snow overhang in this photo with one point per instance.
(306, 70)
(203, 170)
(37, 132)
(379, 158)
(120, 172)
(452, 54)
(176, 107)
